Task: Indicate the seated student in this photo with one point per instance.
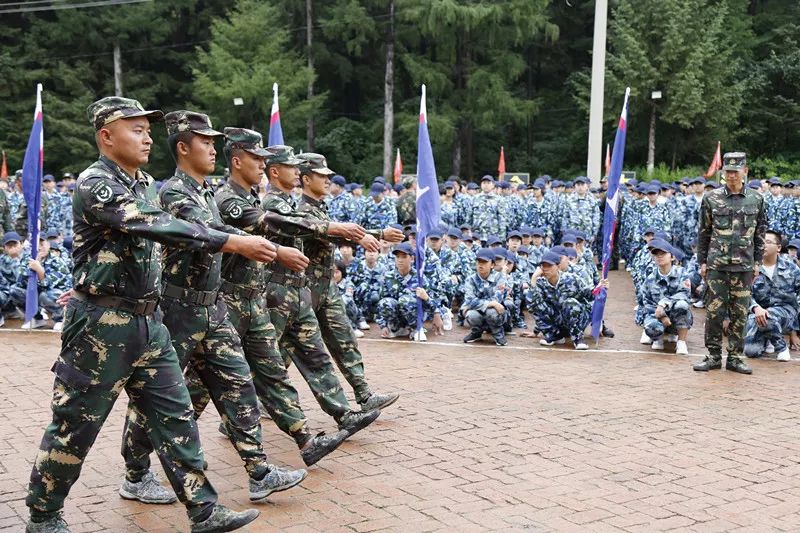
(791, 251)
(559, 301)
(458, 262)
(12, 291)
(399, 290)
(665, 299)
(774, 306)
(366, 283)
(346, 289)
(514, 240)
(515, 282)
(485, 306)
(537, 247)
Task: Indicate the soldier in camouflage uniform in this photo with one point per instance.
(6, 221)
(729, 249)
(485, 307)
(487, 216)
(665, 299)
(243, 291)
(113, 336)
(379, 210)
(407, 203)
(291, 307)
(775, 304)
(197, 320)
(326, 300)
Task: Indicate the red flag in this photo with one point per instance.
(716, 163)
(4, 168)
(608, 159)
(398, 168)
(501, 165)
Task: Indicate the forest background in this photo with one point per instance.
(512, 73)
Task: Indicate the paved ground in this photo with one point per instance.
(519, 438)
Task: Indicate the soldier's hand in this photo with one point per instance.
(762, 315)
(703, 271)
(393, 235)
(370, 243)
(251, 247)
(292, 258)
(64, 299)
(347, 230)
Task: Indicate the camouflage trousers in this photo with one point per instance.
(559, 319)
(489, 320)
(680, 314)
(300, 341)
(251, 319)
(756, 337)
(330, 310)
(400, 313)
(367, 299)
(727, 296)
(104, 351)
(207, 343)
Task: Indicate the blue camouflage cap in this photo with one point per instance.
(660, 244)
(696, 179)
(499, 252)
(537, 232)
(580, 179)
(515, 234)
(572, 253)
(523, 250)
(377, 189)
(755, 185)
(504, 185)
(485, 254)
(557, 183)
(568, 239)
(511, 257)
(794, 243)
(472, 186)
(48, 177)
(11, 236)
(339, 180)
(449, 185)
(551, 258)
(774, 180)
(399, 187)
(487, 177)
(404, 248)
(454, 233)
(434, 234)
(492, 240)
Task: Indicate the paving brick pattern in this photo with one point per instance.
(483, 439)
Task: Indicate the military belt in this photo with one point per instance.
(129, 305)
(282, 278)
(189, 296)
(240, 290)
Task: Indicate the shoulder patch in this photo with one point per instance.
(283, 208)
(235, 210)
(102, 192)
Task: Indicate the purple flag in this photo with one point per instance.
(275, 131)
(428, 208)
(610, 214)
(32, 169)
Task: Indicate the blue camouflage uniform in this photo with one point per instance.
(13, 280)
(380, 215)
(478, 292)
(488, 217)
(671, 292)
(582, 213)
(464, 209)
(366, 284)
(343, 208)
(779, 296)
(688, 223)
(397, 304)
(654, 216)
(560, 310)
(541, 215)
(347, 291)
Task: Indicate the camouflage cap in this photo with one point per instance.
(315, 163)
(111, 108)
(734, 161)
(248, 140)
(280, 154)
(183, 120)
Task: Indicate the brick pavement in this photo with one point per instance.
(520, 438)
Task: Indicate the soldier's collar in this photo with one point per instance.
(186, 178)
(313, 201)
(241, 191)
(126, 178)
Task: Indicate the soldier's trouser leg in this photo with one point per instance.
(341, 342)
(104, 351)
(299, 340)
(476, 320)
(207, 343)
(728, 295)
(575, 316)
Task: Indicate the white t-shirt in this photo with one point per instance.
(769, 270)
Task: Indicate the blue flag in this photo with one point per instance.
(428, 207)
(275, 131)
(610, 214)
(32, 169)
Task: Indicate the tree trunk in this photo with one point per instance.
(651, 142)
(456, 168)
(388, 97)
(310, 134)
(117, 70)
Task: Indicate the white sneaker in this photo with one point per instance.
(34, 323)
(363, 325)
(545, 342)
(45, 316)
(671, 338)
(58, 326)
(419, 336)
(560, 341)
(784, 355)
(447, 321)
(645, 339)
(581, 346)
(769, 348)
(699, 304)
(681, 348)
(402, 332)
(2, 320)
(657, 345)
(357, 332)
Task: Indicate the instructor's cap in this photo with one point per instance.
(315, 163)
(183, 120)
(243, 139)
(111, 108)
(280, 154)
(734, 161)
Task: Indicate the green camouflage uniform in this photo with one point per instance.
(5, 215)
(114, 338)
(730, 242)
(329, 308)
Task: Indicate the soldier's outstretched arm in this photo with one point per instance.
(236, 211)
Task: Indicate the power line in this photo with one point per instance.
(26, 8)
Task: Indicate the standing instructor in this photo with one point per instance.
(729, 250)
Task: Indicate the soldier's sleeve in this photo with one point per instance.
(106, 202)
(237, 212)
(184, 207)
(761, 228)
(21, 224)
(704, 232)
(6, 211)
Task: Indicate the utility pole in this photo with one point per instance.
(117, 70)
(595, 152)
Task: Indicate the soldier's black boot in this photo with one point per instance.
(318, 447)
(711, 362)
(355, 421)
(735, 364)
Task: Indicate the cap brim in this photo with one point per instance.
(732, 167)
(324, 171)
(154, 115)
(258, 152)
(208, 132)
